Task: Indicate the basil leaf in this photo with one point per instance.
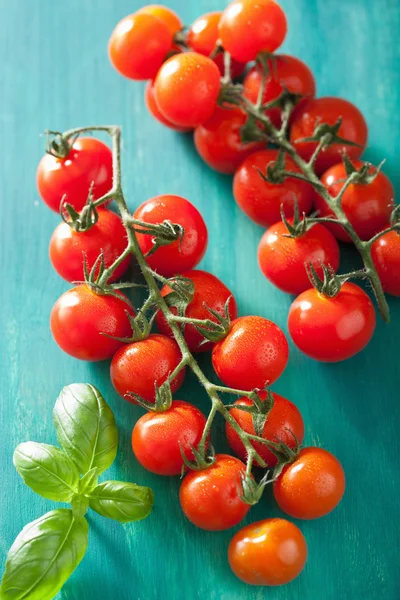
(88, 481)
(122, 501)
(85, 427)
(47, 470)
(79, 505)
(43, 556)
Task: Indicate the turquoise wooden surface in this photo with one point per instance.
(55, 73)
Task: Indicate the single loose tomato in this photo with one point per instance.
(81, 320)
(154, 110)
(140, 366)
(386, 256)
(271, 552)
(183, 254)
(167, 15)
(328, 110)
(332, 329)
(282, 258)
(311, 486)
(262, 201)
(89, 162)
(159, 437)
(186, 89)
(252, 355)
(208, 290)
(211, 498)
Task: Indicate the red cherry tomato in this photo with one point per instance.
(311, 486)
(68, 246)
(367, 206)
(167, 15)
(260, 200)
(282, 259)
(271, 552)
(252, 355)
(248, 27)
(80, 318)
(386, 256)
(140, 366)
(183, 254)
(284, 423)
(209, 290)
(332, 329)
(88, 162)
(328, 110)
(186, 89)
(211, 498)
(159, 437)
(154, 110)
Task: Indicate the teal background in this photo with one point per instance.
(55, 74)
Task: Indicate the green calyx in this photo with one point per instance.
(299, 226)
(331, 283)
(252, 491)
(57, 144)
(214, 331)
(163, 234)
(203, 458)
(163, 398)
(83, 220)
(363, 175)
(327, 135)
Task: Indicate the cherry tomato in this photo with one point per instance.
(248, 27)
(311, 486)
(270, 552)
(209, 290)
(139, 44)
(252, 355)
(167, 15)
(284, 423)
(282, 259)
(186, 89)
(154, 110)
(88, 162)
(183, 254)
(328, 110)
(332, 329)
(211, 498)
(80, 318)
(68, 246)
(236, 67)
(159, 437)
(140, 366)
(386, 256)
(367, 206)
(260, 200)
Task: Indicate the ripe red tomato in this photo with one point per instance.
(89, 161)
(159, 437)
(260, 200)
(386, 256)
(139, 44)
(311, 486)
(282, 259)
(68, 246)
(139, 366)
(80, 318)
(328, 110)
(154, 110)
(219, 143)
(167, 15)
(211, 498)
(332, 329)
(271, 552)
(284, 423)
(367, 206)
(252, 355)
(209, 290)
(183, 254)
(186, 89)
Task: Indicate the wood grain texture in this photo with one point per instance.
(55, 73)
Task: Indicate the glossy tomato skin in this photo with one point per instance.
(260, 200)
(247, 28)
(271, 552)
(68, 246)
(328, 110)
(89, 161)
(157, 437)
(139, 366)
(80, 318)
(332, 329)
(284, 422)
(183, 254)
(211, 499)
(385, 253)
(311, 486)
(282, 259)
(367, 206)
(252, 355)
(154, 110)
(186, 89)
(207, 289)
(167, 15)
